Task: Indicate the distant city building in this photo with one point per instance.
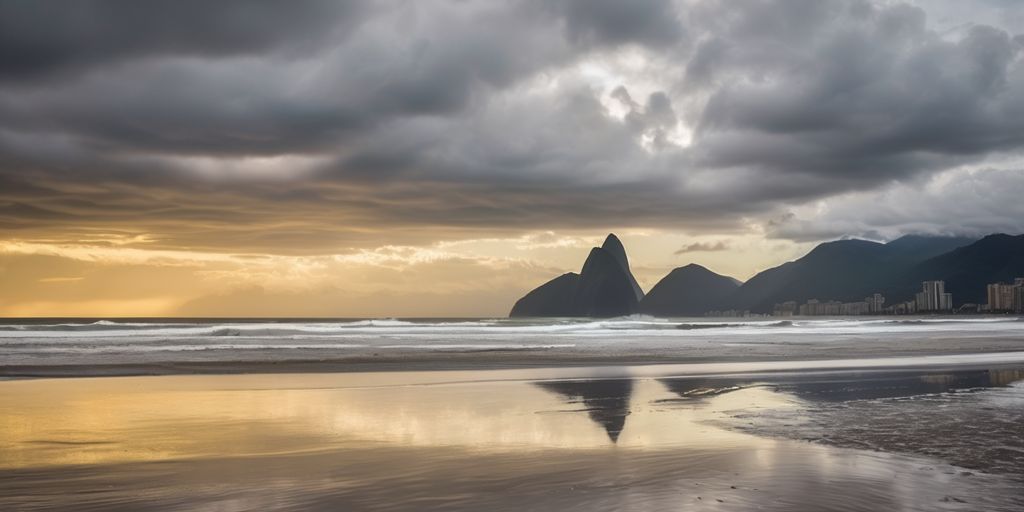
(1000, 297)
(1004, 297)
(734, 313)
(904, 308)
(788, 308)
(933, 297)
(815, 307)
(876, 304)
(855, 308)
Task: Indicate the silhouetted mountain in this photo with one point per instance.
(604, 288)
(553, 298)
(844, 270)
(688, 291)
(835, 270)
(966, 271)
(920, 248)
(613, 246)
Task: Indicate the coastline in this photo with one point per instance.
(446, 362)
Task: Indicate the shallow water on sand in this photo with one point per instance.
(648, 439)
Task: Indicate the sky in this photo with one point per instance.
(441, 158)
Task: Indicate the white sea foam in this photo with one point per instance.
(641, 336)
(503, 327)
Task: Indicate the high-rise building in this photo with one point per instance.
(904, 308)
(855, 308)
(810, 308)
(1002, 297)
(933, 297)
(876, 303)
(1018, 295)
(788, 308)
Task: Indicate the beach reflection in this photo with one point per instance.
(90, 421)
(302, 442)
(847, 386)
(605, 401)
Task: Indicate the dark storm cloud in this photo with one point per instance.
(404, 61)
(309, 126)
(40, 38)
(649, 22)
(877, 98)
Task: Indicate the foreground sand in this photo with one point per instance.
(582, 438)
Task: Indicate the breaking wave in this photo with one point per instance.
(453, 327)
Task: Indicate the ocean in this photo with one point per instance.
(68, 342)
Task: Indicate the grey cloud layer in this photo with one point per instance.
(40, 39)
(702, 247)
(269, 126)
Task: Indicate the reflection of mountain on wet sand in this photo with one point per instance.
(845, 386)
(870, 386)
(606, 401)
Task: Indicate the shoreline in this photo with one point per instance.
(493, 440)
(441, 362)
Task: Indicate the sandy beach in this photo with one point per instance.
(724, 436)
(625, 414)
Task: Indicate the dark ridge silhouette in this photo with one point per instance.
(604, 288)
(606, 401)
(967, 270)
(921, 247)
(845, 270)
(553, 298)
(689, 291)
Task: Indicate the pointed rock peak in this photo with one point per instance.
(592, 259)
(614, 246)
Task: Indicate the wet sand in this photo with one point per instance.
(696, 437)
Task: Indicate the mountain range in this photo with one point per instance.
(843, 270)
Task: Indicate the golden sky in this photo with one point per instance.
(473, 277)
